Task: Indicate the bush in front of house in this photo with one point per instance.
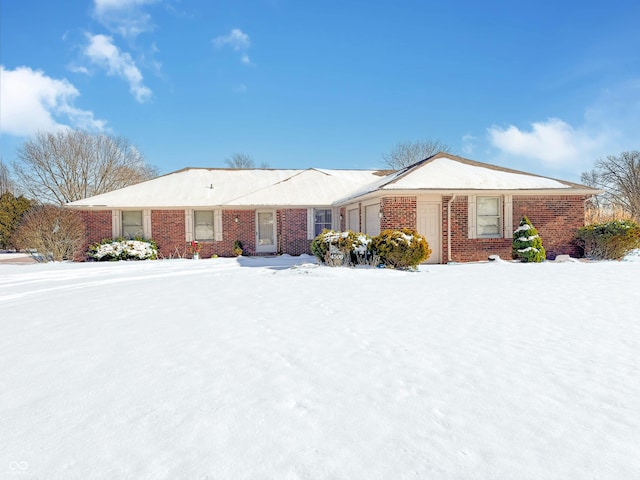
(120, 249)
(609, 240)
(527, 244)
(342, 248)
(403, 249)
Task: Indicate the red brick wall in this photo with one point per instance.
(244, 230)
(398, 212)
(292, 231)
(97, 223)
(168, 231)
(556, 219)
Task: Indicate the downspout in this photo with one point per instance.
(449, 227)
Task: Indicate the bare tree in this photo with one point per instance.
(407, 153)
(6, 184)
(71, 165)
(619, 177)
(240, 160)
(56, 233)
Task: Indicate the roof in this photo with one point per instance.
(197, 187)
(446, 172)
(200, 187)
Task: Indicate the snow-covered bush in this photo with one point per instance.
(121, 249)
(610, 240)
(342, 248)
(527, 244)
(403, 249)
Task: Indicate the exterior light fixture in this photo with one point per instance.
(236, 218)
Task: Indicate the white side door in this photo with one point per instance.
(430, 226)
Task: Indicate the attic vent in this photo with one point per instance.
(210, 187)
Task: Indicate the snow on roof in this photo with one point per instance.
(198, 187)
(193, 187)
(443, 172)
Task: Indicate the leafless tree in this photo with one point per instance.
(71, 165)
(240, 160)
(407, 153)
(56, 233)
(619, 177)
(6, 184)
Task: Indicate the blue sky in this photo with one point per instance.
(547, 87)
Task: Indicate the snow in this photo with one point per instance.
(279, 368)
(446, 173)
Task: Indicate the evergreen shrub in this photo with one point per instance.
(342, 248)
(403, 249)
(610, 240)
(527, 244)
(116, 249)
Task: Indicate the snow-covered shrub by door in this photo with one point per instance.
(121, 249)
(610, 240)
(404, 249)
(527, 244)
(342, 248)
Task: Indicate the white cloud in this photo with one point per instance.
(238, 41)
(468, 144)
(124, 17)
(104, 53)
(609, 127)
(553, 142)
(32, 101)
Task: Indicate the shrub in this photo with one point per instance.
(121, 249)
(237, 248)
(342, 248)
(610, 240)
(12, 209)
(527, 244)
(403, 249)
(55, 233)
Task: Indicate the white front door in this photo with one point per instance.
(266, 231)
(354, 220)
(430, 226)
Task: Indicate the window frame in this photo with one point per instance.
(124, 226)
(323, 224)
(499, 216)
(195, 226)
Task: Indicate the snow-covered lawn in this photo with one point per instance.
(282, 369)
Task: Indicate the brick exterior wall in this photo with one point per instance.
(398, 212)
(97, 228)
(556, 219)
(244, 230)
(168, 231)
(292, 231)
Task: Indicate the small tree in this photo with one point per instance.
(6, 184)
(407, 153)
(12, 209)
(527, 244)
(240, 160)
(55, 233)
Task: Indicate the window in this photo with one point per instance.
(321, 220)
(132, 224)
(488, 216)
(203, 221)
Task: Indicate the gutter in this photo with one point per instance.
(449, 227)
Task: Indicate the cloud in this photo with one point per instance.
(468, 144)
(32, 101)
(102, 52)
(124, 17)
(242, 88)
(238, 41)
(609, 127)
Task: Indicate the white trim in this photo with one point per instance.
(310, 224)
(146, 223)
(507, 222)
(116, 223)
(217, 225)
(188, 225)
(471, 217)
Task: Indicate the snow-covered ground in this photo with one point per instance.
(282, 369)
